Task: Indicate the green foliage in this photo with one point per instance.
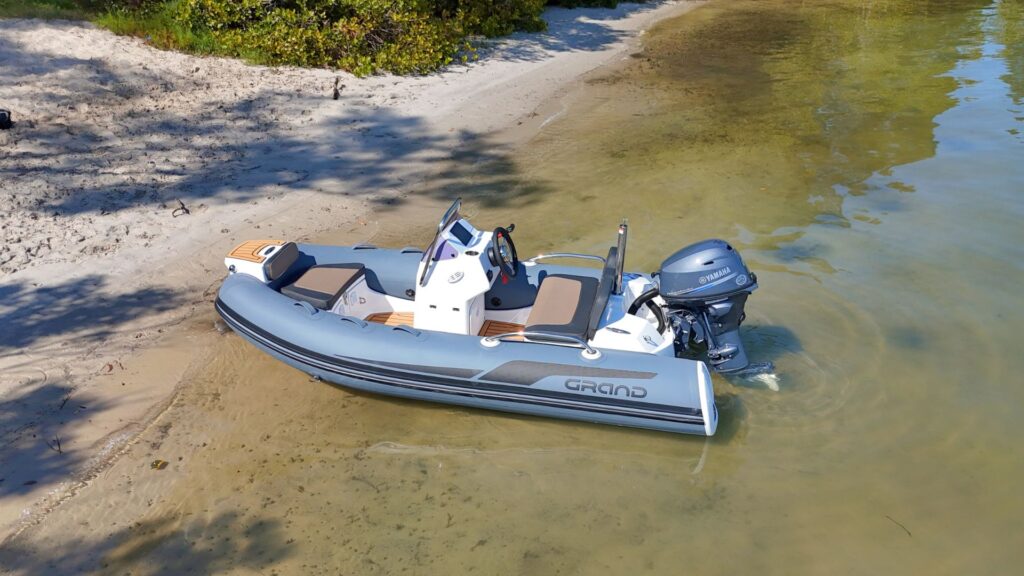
(69, 9)
(586, 3)
(363, 36)
(500, 17)
(157, 22)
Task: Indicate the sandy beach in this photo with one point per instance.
(130, 172)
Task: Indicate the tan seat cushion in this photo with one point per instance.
(323, 279)
(321, 286)
(556, 302)
(563, 305)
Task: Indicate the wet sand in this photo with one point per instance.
(107, 282)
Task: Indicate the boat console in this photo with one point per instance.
(454, 275)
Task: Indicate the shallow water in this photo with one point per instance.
(866, 157)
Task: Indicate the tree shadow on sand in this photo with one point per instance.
(91, 81)
(88, 309)
(159, 547)
(37, 443)
(569, 30)
(38, 417)
(132, 151)
(367, 153)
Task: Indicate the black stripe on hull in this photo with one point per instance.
(433, 384)
(529, 372)
(426, 374)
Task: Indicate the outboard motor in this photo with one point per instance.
(705, 287)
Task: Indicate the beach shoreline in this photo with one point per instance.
(131, 171)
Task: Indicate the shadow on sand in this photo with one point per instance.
(36, 435)
(569, 30)
(89, 308)
(228, 541)
(236, 150)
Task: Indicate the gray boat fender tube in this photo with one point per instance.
(611, 387)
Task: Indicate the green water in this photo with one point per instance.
(868, 160)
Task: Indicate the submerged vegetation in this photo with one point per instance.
(362, 36)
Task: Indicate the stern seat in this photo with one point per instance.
(321, 285)
(563, 305)
(573, 305)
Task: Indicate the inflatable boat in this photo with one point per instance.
(466, 322)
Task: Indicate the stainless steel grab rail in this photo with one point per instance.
(566, 340)
(566, 255)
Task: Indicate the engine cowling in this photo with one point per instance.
(708, 284)
(704, 271)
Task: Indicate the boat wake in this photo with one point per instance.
(769, 379)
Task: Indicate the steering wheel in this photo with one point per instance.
(503, 252)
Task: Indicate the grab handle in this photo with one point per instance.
(540, 257)
(356, 321)
(309, 308)
(407, 329)
(554, 339)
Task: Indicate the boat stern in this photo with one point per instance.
(707, 399)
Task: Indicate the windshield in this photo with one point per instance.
(450, 215)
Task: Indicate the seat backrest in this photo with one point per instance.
(604, 290)
(281, 261)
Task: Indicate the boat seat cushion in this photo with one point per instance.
(281, 261)
(321, 286)
(563, 305)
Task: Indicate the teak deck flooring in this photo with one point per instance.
(490, 327)
(250, 250)
(493, 328)
(391, 318)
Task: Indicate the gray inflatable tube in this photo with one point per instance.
(620, 388)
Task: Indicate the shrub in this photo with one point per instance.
(363, 36)
(584, 3)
